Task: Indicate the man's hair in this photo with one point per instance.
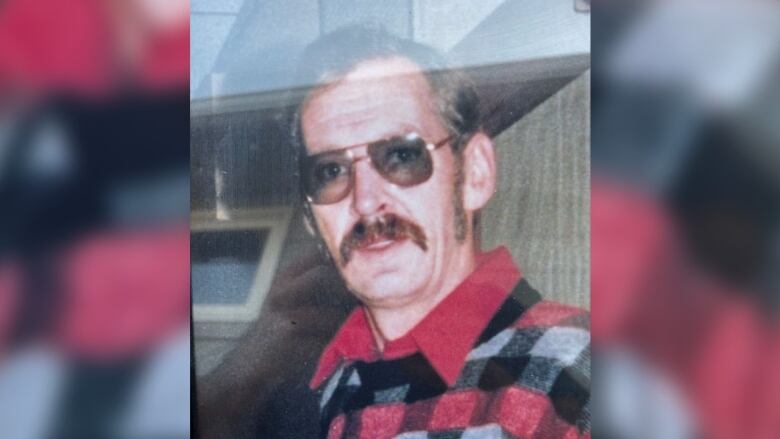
(334, 55)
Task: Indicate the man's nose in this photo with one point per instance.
(368, 196)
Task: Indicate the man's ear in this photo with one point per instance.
(479, 172)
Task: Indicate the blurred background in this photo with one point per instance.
(685, 232)
(94, 237)
(265, 301)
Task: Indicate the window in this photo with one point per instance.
(233, 262)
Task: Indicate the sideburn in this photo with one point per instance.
(461, 220)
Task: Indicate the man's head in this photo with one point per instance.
(393, 165)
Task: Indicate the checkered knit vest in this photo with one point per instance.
(520, 380)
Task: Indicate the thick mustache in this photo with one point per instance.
(387, 227)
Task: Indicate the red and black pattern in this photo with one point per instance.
(528, 375)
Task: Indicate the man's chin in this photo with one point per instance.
(384, 290)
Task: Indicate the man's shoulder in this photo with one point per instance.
(557, 337)
(545, 353)
(552, 332)
(532, 326)
(549, 330)
(549, 314)
(530, 330)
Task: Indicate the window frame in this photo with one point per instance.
(276, 220)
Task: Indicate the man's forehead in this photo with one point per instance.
(383, 68)
(376, 98)
(374, 78)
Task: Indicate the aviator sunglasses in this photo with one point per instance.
(404, 161)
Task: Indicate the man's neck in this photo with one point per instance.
(392, 323)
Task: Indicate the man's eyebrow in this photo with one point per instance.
(338, 149)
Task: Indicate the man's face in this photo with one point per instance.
(380, 99)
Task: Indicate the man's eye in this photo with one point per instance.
(328, 171)
(403, 155)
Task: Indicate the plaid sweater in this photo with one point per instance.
(527, 376)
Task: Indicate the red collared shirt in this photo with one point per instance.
(469, 308)
(491, 360)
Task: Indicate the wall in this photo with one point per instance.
(541, 210)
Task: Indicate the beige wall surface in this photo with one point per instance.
(541, 210)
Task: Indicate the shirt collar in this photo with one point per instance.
(445, 336)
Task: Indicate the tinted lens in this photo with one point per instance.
(326, 177)
(404, 161)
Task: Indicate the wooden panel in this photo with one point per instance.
(541, 210)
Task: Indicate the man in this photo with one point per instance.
(448, 340)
